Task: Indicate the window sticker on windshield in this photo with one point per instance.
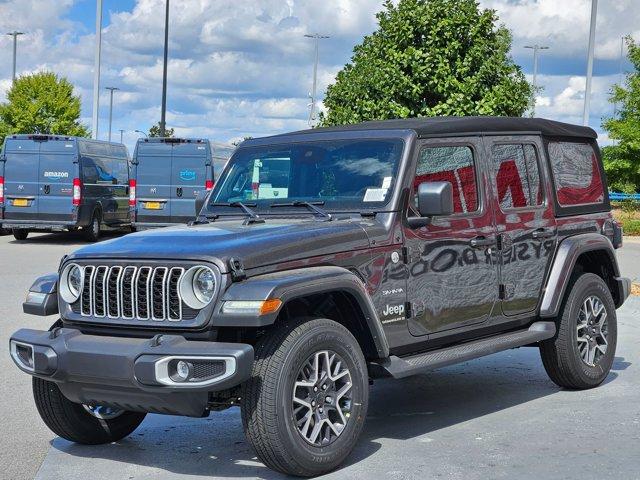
(375, 195)
(386, 182)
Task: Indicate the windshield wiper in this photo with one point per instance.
(252, 217)
(310, 205)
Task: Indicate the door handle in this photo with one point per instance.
(179, 192)
(482, 241)
(543, 233)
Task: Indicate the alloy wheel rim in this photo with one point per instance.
(322, 398)
(592, 330)
(102, 412)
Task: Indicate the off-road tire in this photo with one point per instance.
(92, 231)
(560, 354)
(267, 412)
(72, 422)
(20, 234)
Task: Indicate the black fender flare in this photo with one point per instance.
(567, 254)
(45, 302)
(290, 284)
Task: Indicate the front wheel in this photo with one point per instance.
(304, 406)
(85, 424)
(581, 354)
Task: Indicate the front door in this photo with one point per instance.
(524, 218)
(453, 278)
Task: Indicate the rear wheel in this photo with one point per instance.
(304, 406)
(92, 231)
(581, 354)
(20, 234)
(86, 424)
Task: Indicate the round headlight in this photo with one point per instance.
(198, 287)
(71, 282)
(204, 285)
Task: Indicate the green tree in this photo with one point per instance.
(622, 160)
(41, 103)
(428, 58)
(155, 131)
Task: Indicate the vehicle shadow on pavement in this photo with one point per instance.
(65, 238)
(453, 399)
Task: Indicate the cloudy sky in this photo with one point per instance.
(243, 67)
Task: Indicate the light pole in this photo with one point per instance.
(15, 35)
(536, 49)
(312, 105)
(143, 133)
(592, 41)
(96, 70)
(111, 90)
(163, 113)
(121, 134)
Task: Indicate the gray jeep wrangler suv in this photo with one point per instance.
(323, 259)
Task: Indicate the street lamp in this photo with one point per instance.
(121, 134)
(96, 70)
(536, 49)
(312, 95)
(143, 133)
(15, 35)
(111, 90)
(163, 113)
(592, 40)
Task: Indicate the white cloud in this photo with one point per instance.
(244, 68)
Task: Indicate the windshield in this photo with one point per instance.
(344, 175)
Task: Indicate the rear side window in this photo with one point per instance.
(516, 176)
(454, 164)
(576, 174)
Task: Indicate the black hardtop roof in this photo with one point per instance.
(49, 136)
(172, 140)
(430, 126)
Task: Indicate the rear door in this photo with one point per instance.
(21, 157)
(190, 170)
(57, 168)
(525, 220)
(153, 182)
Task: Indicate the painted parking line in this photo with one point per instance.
(496, 417)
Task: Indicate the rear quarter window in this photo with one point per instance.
(576, 174)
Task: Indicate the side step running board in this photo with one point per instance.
(406, 366)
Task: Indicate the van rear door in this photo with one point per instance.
(21, 157)
(152, 165)
(190, 170)
(58, 167)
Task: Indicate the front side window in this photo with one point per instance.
(345, 175)
(516, 176)
(454, 164)
(576, 174)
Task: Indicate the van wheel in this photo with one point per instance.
(581, 354)
(20, 234)
(305, 404)
(92, 231)
(85, 424)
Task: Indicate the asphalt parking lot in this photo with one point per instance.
(497, 417)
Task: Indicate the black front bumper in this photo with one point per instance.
(128, 372)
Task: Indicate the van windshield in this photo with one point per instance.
(345, 175)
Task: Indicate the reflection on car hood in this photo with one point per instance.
(276, 241)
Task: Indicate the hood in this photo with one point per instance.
(276, 241)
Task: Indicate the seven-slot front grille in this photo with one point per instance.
(132, 292)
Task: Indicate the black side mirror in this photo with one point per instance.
(434, 199)
(200, 201)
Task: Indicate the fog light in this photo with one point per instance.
(183, 371)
